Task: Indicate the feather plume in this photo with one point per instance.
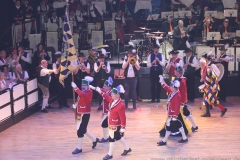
(134, 51)
(157, 42)
(176, 83)
(58, 53)
(132, 44)
(210, 53)
(188, 44)
(89, 79)
(120, 89)
(104, 52)
(226, 46)
(110, 80)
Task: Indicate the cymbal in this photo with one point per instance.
(149, 34)
(156, 37)
(157, 32)
(144, 28)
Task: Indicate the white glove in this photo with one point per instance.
(161, 79)
(98, 90)
(73, 85)
(92, 88)
(74, 106)
(122, 130)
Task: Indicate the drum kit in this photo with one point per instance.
(144, 45)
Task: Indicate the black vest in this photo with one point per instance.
(126, 71)
(24, 64)
(189, 69)
(41, 10)
(102, 73)
(225, 64)
(98, 15)
(43, 80)
(22, 75)
(57, 20)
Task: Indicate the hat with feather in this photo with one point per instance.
(109, 82)
(224, 48)
(175, 83)
(58, 54)
(208, 55)
(103, 53)
(87, 80)
(118, 90)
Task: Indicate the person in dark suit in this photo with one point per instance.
(179, 36)
(168, 25)
(192, 33)
(225, 28)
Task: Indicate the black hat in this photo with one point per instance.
(187, 50)
(81, 54)
(207, 55)
(58, 54)
(156, 46)
(173, 52)
(101, 55)
(222, 48)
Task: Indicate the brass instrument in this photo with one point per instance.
(133, 60)
(103, 66)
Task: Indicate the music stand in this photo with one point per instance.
(211, 36)
(237, 33)
(185, 13)
(229, 35)
(210, 14)
(153, 17)
(230, 13)
(165, 15)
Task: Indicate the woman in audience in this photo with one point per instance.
(3, 83)
(39, 55)
(3, 59)
(8, 76)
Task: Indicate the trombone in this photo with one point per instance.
(133, 60)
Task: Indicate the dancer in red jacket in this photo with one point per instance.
(116, 119)
(83, 110)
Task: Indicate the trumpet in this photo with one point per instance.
(82, 68)
(103, 66)
(133, 61)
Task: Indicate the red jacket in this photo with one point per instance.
(105, 103)
(174, 103)
(117, 116)
(183, 90)
(84, 101)
(172, 69)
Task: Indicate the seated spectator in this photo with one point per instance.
(8, 76)
(14, 61)
(3, 83)
(20, 75)
(3, 59)
(25, 58)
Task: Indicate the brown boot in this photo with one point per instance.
(139, 99)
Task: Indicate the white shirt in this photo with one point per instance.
(55, 21)
(162, 62)
(2, 62)
(131, 72)
(44, 72)
(26, 76)
(227, 57)
(96, 67)
(38, 8)
(79, 14)
(91, 10)
(26, 59)
(3, 84)
(194, 63)
(72, 20)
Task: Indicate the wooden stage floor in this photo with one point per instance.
(52, 136)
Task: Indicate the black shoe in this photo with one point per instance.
(194, 129)
(66, 105)
(76, 151)
(161, 143)
(95, 143)
(44, 110)
(107, 157)
(103, 140)
(158, 100)
(125, 152)
(152, 101)
(206, 115)
(183, 141)
(223, 112)
(49, 107)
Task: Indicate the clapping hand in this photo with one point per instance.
(157, 59)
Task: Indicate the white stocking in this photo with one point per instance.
(167, 134)
(111, 145)
(183, 133)
(124, 143)
(80, 143)
(105, 133)
(91, 136)
(192, 121)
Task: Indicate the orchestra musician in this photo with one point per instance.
(208, 27)
(156, 61)
(56, 19)
(168, 25)
(180, 36)
(225, 28)
(102, 69)
(120, 23)
(94, 12)
(172, 64)
(131, 68)
(224, 60)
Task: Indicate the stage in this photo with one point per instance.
(52, 136)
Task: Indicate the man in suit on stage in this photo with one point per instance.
(180, 36)
(168, 25)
